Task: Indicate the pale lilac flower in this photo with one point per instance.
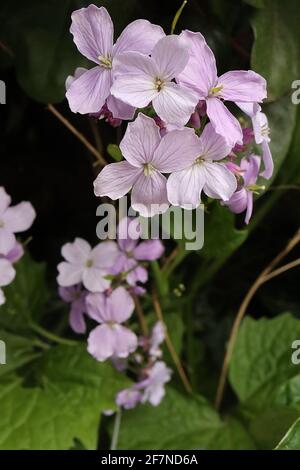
(93, 31)
(111, 339)
(128, 398)
(141, 79)
(7, 275)
(147, 155)
(13, 219)
(87, 265)
(132, 252)
(156, 339)
(153, 385)
(15, 254)
(203, 172)
(242, 199)
(200, 75)
(76, 296)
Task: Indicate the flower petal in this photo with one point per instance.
(140, 36)
(120, 305)
(69, 274)
(94, 281)
(250, 167)
(175, 104)
(140, 140)
(185, 186)
(249, 207)
(177, 150)
(149, 250)
(105, 254)
(19, 218)
(139, 274)
(93, 32)
(5, 200)
(171, 56)
(87, 94)
(220, 183)
(224, 122)
(200, 74)
(129, 231)
(96, 305)
(119, 109)
(125, 341)
(7, 241)
(242, 85)
(77, 252)
(116, 179)
(213, 146)
(268, 161)
(238, 201)
(70, 78)
(76, 317)
(101, 342)
(149, 194)
(7, 272)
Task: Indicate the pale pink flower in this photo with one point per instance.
(154, 385)
(76, 296)
(141, 79)
(93, 31)
(147, 155)
(7, 275)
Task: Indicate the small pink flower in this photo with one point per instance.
(87, 265)
(141, 79)
(147, 155)
(76, 297)
(13, 219)
(203, 172)
(92, 30)
(111, 339)
(154, 385)
(7, 275)
(128, 398)
(200, 75)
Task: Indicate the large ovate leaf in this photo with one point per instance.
(275, 54)
(291, 440)
(262, 355)
(180, 422)
(76, 389)
(18, 351)
(25, 296)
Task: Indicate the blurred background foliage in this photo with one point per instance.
(42, 162)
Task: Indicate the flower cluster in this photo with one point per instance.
(13, 219)
(192, 143)
(100, 284)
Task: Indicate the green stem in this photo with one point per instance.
(51, 336)
(161, 281)
(177, 16)
(116, 430)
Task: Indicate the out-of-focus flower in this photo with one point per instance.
(141, 79)
(13, 219)
(154, 385)
(110, 338)
(148, 155)
(92, 30)
(129, 398)
(7, 275)
(200, 75)
(75, 295)
(203, 172)
(242, 199)
(132, 252)
(87, 265)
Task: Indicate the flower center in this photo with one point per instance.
(159, 83)
(199, 160)
(148, 169)
(105, 62)
(111, 324)
(89, 263)
(215, 90)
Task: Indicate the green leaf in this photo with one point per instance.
(19, 351)
(291, 441)
(114, 151)
(261, 358)
(76, 388)
(25, 296)
(276, 47)
(179, 422)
